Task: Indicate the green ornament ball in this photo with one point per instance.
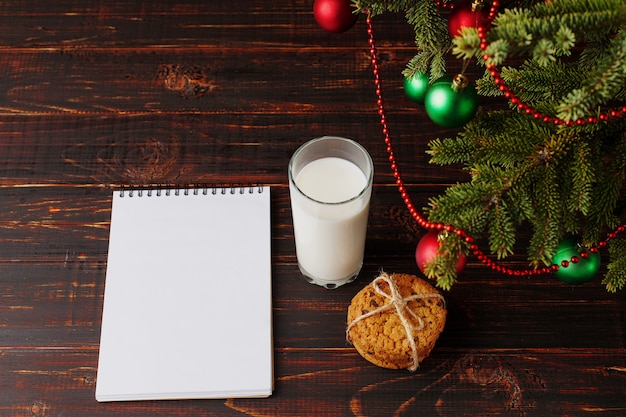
(416, 86)
(451, 105)
(575, 273)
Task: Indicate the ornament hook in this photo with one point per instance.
(459, 82)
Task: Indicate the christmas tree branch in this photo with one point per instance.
(431, 32)
(561, 61)
(601, 85)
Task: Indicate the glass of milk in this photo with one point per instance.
(330, 184)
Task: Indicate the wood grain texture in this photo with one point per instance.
(95, 94)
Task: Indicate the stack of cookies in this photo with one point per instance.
(395, 321)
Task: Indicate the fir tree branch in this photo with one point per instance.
(547, 220)
(582, 171)
(501, 232)
(615, 278)
(524, 28)
(449, 151)
(542, 86)
(431, 32)
(431, 38)
(442, 267)
(602, 84)
(463, 205)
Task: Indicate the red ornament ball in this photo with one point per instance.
(335, 16)
(427, 249)
(463, 16)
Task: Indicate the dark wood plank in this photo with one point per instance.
(337, 382)
(190, 149)
(175, 24)
(199, 81)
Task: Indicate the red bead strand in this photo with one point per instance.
(421, 221)
(513, 99)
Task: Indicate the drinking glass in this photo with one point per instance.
(330, 185)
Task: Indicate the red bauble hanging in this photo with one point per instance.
(335, 16)
(427, 249)
(469, 14)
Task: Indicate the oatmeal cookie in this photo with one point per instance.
(395, 321)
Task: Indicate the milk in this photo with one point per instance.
(330, 213)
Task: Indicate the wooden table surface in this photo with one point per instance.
(97, 94)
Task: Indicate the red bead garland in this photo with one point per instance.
(444, 4)
(483, 30)
(421, 221)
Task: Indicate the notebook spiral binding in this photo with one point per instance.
(195, 189)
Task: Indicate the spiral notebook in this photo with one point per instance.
(187, 303)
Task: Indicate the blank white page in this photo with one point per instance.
(187, 304)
